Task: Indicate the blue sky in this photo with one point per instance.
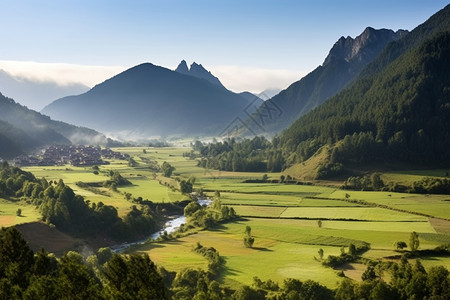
(261, 38)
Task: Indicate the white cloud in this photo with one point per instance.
(255, 80)
(235, 78)
(60, 73)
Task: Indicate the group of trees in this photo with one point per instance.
(373, 182)
(207, 217)
(253, 155)
(406, 282)
(69, 212)
(28, 275)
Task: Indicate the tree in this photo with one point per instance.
(191, 208)
(247, 293)
(320, 253)
(185, 187)
(167, 169)
(319, 223)
(414, 241)
(133, 277)
(265, 178)
(400, 245)
(217, 194)
(104, 255)
(369, 274)
(352, 250)
(346, 290)
(248, 239)
(19, 212)
(16, 258)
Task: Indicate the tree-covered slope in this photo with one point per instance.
(22, 129)
(345, 60)
(401, 112)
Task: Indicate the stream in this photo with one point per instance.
(170, 226)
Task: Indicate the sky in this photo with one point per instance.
(249, 45)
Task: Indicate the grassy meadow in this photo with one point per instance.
(283, 217)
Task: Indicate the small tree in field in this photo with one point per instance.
(320, 253)
(400, 245)
(19, 212)
(414, 241)
(248, 239)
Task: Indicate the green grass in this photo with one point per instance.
(174, 255)
(151, 190)
(380, 226)
(277, 200)
(355, 213)
(259, 211)
(434, 205)
(8, 213)
(409, 176)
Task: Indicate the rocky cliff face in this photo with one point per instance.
(363, 47)
(346, 59)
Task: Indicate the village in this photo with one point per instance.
(76, 155)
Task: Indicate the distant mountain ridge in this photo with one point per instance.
(36, 94)
(345, 60)
(22, 130)
(149, 100)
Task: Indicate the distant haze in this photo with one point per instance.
(235, 78)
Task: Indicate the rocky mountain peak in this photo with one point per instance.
(365, 46)
(182, 68)
(197, 70)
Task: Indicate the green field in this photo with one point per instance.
(8, 213)
(283, 217)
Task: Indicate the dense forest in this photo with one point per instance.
(399, 115)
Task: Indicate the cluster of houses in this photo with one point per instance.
(79, 155)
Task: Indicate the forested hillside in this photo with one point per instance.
(23, 129)
(397, 111)
(346, 59)
(401, 113)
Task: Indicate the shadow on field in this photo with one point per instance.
(262, 249)
(218, 227)
(229, 271)
(162, 244)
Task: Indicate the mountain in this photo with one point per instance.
(345, 60)
(396, 110)
(22, 130)
(198, 71)
(36, 94)
(268, 93)
(149, 100)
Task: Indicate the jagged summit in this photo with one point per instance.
(197, 70)
(365, 46)
(182, 68)
(346, 59)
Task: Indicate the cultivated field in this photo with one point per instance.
(283, 217)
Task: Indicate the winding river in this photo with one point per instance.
(170, 226)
